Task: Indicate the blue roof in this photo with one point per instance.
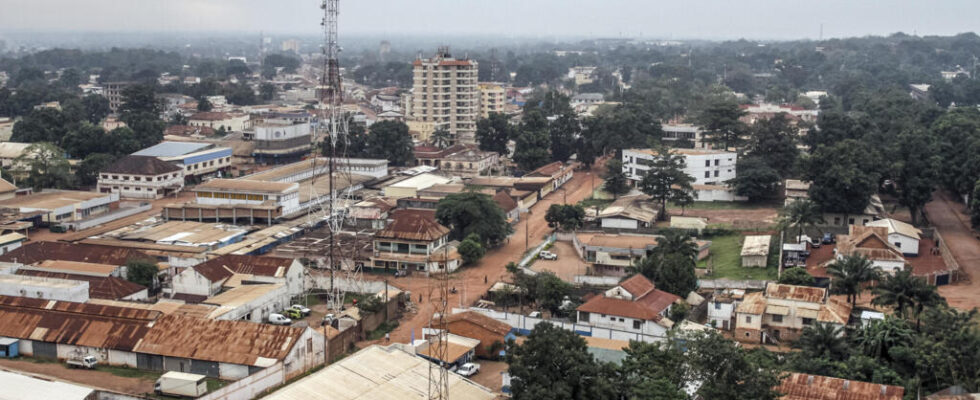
(172, 149)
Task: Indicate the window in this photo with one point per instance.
(717, 162)
(707, 163)
(747, 334)
(622, 320)
(777, 318)
(836, 220)
(850, 221)
(716, 173)
(636, 324)
(748, 319)
(807, 321)
(717, 306)
(707, 174)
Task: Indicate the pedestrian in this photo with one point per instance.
(484, 279)
(420, 298)
(387, 337)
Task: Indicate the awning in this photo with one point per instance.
(807, 313)
(777, 310)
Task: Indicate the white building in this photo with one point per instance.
(141, 177)
(710, 169)
(633, 306)
(676, 134)
(904, 236)
(249, 302)
(629, 212)
(249, 192)
(282, 138)
(721, 309)
(44, 288)
(230, 122)
(208, 278)
(196, 159)
(755, 251)
(10, 242)
(411, 186)
(445, 92)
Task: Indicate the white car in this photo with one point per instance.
(279, 319)
(547, 255)
(468, 369)
(304, 310)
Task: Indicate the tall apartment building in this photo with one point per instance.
(446, 93)
(492, 99)
(710, 169)
(114, 92)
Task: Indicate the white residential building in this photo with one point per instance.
(141, 177)
(633, 306)
(904, 236)
(196, 158)
(710, 169)
(249, 192)
(445, 92)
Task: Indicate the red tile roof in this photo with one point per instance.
(141, 165)
(647, 305)
(478, 319)
(799, 386)
(505, 202)
(413, 224)
(637, 285)
(548, 170)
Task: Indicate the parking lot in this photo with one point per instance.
(566, 266)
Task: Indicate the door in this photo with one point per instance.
(45, 350)
(942, 279)
(724, 325)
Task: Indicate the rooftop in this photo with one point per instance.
(637, 207)
(239, 296)
(413, 225)
(141, 165)
(756, 245)
(896, 226)
(51, 199)
(18, 386)
(622, 241)
(377, 373)
(99, 287)
(246, 186)
(647, 304)
(227, 265)
(794, 292)
(481, 320)
(685, 152)
(36, 252)
(172, 149)
(78, 267)
(799, 386)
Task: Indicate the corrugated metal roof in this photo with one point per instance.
(793, 292)
(22, 387)
(799, 386)
(172, 149)
(413, 225)
(36, 252)
(756, 245)
(79, 324)
(377, 373)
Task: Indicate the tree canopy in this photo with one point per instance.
(473, 213)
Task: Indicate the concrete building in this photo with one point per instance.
(445, 92)
(493, 97)
(613, 255)
(44, 288)
(755, 251)
(795, 189)
(283, 198)
(710, 169)
(458, 160)
(280, 140)
(141, 177)
(18, 386)
(10, 242)
(252, 302)
(903, 235)
(782, 312)
(634, 305)
(209, 278)
(459, 350)
(492, 334)
(629, 213)
(376, 372)
(874, 243)
(558, 173)
(114, 92)
(229, 122)
(721, 309)
(411, 186)
(196, 159)
(684, 136)
(414, 242)
(64, 206)
(582, 99)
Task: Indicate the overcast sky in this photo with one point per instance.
(678, 19)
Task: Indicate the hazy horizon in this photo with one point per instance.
(542, 19)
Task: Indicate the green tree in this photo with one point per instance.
(915, 170)
(877, 337)
(441, 138)
(822, 341)
(755, 179)
(653, 371)
(95, 107)
(562, 132)
(729, 372)
(849, 274)
(774, 142)
(533, 142)
(721, 124)
(471, 249)
(554, 363)
(494, 132)
(617, 183)
(801, 213)
(672, 273)
(470, 212)
(88, 171)
(140, 99)
(797, 276)
(267, 91)
(47, 167)
(142, 272)
(390, 140)
(41, 125)
(909, 295)
(666, 180)
(565, 217)
(843, 176)
(958, 133)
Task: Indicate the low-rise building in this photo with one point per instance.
(629, 213)
(411, 186)
(492, 334)
(799, 386)
(872, 243)
(237, 199)
(10, 242)
(414, 242)
(613, 255)
(196, 159)
(709, 169)
(557, 173)
(755, 251)
(684, 136)
(903, 235)
(459, 350)
(209, 278)
(282, 139)
(795, 189)
(635, 305)
(141, 177)
(229, 122)
(721, 309)
(781, 312)
(508, 205)
(252, 302)
(371, 213)
(64, 206)
(36, 287)
(459, 159)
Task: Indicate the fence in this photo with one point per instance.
(597, 280)
(525, 324)
(534, 252)
(364, 286)
(251, 386)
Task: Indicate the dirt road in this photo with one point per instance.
(948, 216)
(473, 282)
(96, 378)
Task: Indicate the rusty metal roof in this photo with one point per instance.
(275, 267)
(492, 325)
(637, 285)
(80, 324)
(418, 225)
(35, 252)
(793, 292)
(99, 287)
(799, 386)
(233, 342)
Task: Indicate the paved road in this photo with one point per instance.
(948, 216)
(469, 281)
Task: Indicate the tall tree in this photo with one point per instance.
(849, 274)
(754, 178)
(471, 212)
(801, 214)
(554, 363)
(721, 124)
(729, 372)
(563, 131)
(494, 132)
(533, 142)
(908, 294)
(653, 371)
(617, 183)
(916, 170)
(471, 249)
(390, 140)
(774, 142)
(843, 176)
(47, 167)
(88, 171)
(666, 180)
(671, 264)
(565, 217)
(823, 341)
(441, 138)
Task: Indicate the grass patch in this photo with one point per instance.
(384, 328)
(726, 261)
(130, 372)
(215, 384)
(595, 202)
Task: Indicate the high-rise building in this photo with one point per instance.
(114, 92)
(446, 93)
(492, 99)
(290, 45)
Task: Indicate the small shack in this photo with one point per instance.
(9, 347)
(689, 223)
(755, 251)
(795, 254)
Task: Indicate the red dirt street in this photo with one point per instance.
(469, 281)
(948, 216)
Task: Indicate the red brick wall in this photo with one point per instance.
(486, 338)
(748, 335)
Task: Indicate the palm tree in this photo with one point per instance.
(849, 274)
(906, 293)
(877, 337)
(801, 214)
(824, 341)
(676, 243)
(441, 138)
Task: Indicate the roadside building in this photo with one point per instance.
(557, 172)
(209, 278)
(237, 200)
(64, 206)
(872, 243)
(459, 350)
(198, 160)
(709, 169)
(799, 386)
(755, 251)
(44, 288)
(10, 242)
(374, 372)
(141, 177)
(411, 186)
(781, 312)
(229, 122)
(613, 255)
(491, 333)
(903, 235)
(629, 213)
(280, 140)
(635, 306)
(414, 242)
(7, 190)
(508, 205)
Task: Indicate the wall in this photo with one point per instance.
(619, 223)
(719, 195)
(119, 213)
(250, 387)
(306, 354)
(906, 244)
(525, 324)
(190, 281)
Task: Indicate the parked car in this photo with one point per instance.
(87, 362)
(293, 313)
(828, 238)
(400, 273)
(305, 310)
(534, 314)
(468, 369)
(279, 319)
(180, 384)
(547, 255)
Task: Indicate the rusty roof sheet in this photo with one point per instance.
(637, 207)
(836, 311)
(233, 342)
(70, 323)
(35, 252)
(246, 185)
(637, 285)
(99, 287)
(504, 201)
(794, 292)
(418, 225)
(481, 320)
(753, 303)
(647, 307)
(548, 170)
(275, 267)
(799, 386)
(870, 242)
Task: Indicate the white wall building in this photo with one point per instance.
(44, 288)
(141, 177)
(249, 192)
(904, 236)
(710, 169)
(633, 306)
